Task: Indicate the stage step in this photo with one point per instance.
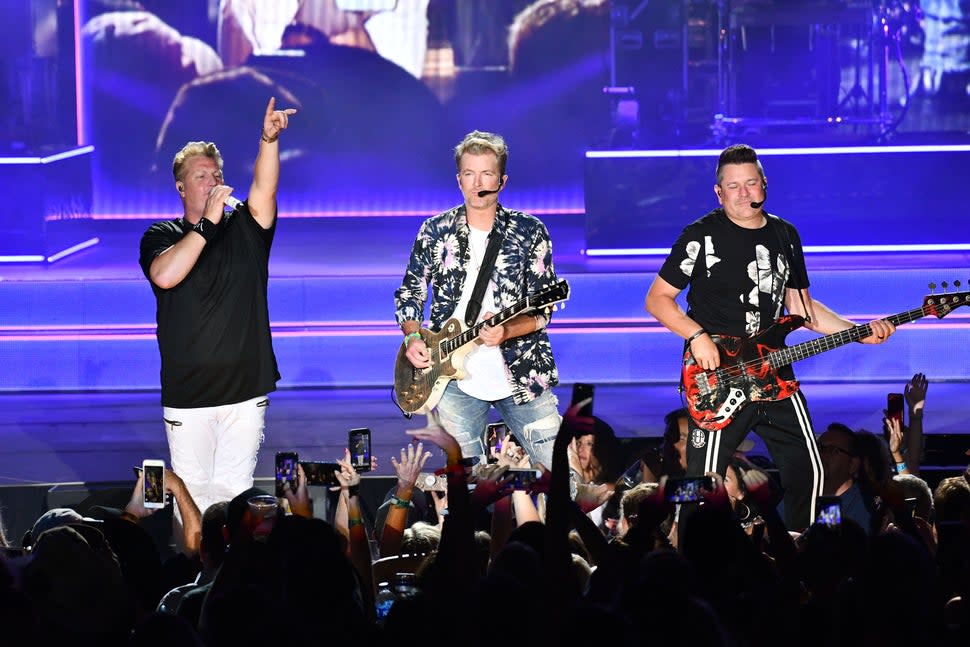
(339, 331)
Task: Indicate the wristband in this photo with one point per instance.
(916, 414)
(411, 335)
(900, 467)
(353, 490)
(268, 140)
(696, 335)
(400, 503)
(205, 228)
(354, 522)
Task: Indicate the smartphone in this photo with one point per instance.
(523, 478)
(366, 5)
(582, 392)
(494, 439)
(429, 482)
(894, 407)
(286, 473)
(320, 473)
(829, 511)
(910, 505)
(688, 489)
(153, 486)
(358, 440)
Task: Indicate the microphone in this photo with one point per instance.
(758, 205)
(233, 203)
(482, 194)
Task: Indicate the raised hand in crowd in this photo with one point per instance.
(915, 394)
(895, 443)
(408, 468)
(188, 510)
(764, 497)
(492, 482)
(434, 433)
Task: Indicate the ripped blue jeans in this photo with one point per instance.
(535, 424)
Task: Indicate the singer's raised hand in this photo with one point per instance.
(275, 121)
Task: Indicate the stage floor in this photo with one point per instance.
(93, 437)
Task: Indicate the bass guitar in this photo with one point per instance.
(749, 365)
(417, 390)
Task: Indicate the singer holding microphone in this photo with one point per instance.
(209, 271)
(482, 258)
(745, 268)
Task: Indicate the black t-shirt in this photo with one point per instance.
(213, 327)
(737, 276)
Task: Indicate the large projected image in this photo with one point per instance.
(387, 86)
(384, 89)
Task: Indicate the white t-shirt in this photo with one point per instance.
(487, 376)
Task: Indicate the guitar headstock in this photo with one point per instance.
(552, 294)
(940, 305)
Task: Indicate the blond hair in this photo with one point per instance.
(479, 142)
(193, 149)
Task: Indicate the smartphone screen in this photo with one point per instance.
(358, 441)
(829, 511)
(154, 483)
(894, 406)
(583, 392)
(494, 439)
(910, 506)
(320, 473)
(286, 473)
(523, 478)
(687, 489)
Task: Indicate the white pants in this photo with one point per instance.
(213, 449)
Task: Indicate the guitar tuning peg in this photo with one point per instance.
(932, 287)
(956, 284)
(945, 286)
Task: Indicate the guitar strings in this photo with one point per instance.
(739, 370)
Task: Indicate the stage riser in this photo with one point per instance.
(593, 355)
(335, 299)
(339, 331)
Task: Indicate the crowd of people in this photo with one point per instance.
(894, 570)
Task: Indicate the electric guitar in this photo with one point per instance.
(417, 390)
(749, 365)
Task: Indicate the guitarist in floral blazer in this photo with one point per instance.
(513, 368)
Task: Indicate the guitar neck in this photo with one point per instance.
(789, 354)
(505, 315)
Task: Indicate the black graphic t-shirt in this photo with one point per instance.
(737, 276)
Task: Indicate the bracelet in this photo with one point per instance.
(400, 503)
(696, 335)
(269, 140)
(900, 467)
(353, 490)
(411, 335)
(354, 522)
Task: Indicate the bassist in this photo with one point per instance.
(745, 268)
(512, 368)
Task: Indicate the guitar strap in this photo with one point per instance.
(484, 273)
(788, 249)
